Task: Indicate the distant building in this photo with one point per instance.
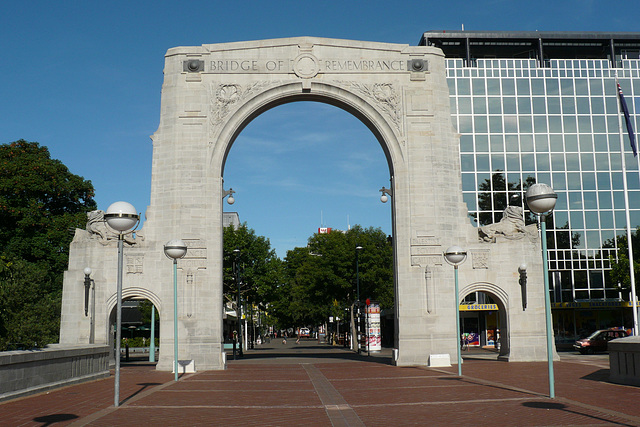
(230, 218)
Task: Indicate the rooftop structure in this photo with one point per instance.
(542, 46)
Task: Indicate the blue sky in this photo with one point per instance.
(84, 79)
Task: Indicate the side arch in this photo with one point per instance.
(502, 297)
(134, 292)
(127, 293)
(502, 300)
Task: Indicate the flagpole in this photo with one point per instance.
(626, 211)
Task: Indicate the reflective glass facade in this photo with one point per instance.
(554, 121)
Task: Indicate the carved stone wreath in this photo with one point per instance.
(385, 97)
(225, 96)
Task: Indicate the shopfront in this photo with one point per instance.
(575, 320)
(480, 324)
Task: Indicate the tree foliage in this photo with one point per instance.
(40, 201)
(494, 196)
(321, 279)
(258, 266)
(620, 272)
(29, 311)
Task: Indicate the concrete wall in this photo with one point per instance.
(33, 371)
(624, 361)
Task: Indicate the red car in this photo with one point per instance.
(598, 340)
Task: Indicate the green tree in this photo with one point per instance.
(620, 272)
(29, 313)
(561, 237)
(259, 268)
(40, 201)
(321, 278)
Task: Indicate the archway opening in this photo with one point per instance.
(140, 334)
(483, 325)
(303, 172)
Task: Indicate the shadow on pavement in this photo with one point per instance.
(561, 407)
(309, 351)
(143, 387)
(47, 420)
(601, 375)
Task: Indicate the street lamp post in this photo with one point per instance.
(386, 192)
(541, 200)
(175, 249)
(152, 344)
(121, 217)
(455, 256)
(231, 200)
(358, 339)
(238, 306)
(358, 249)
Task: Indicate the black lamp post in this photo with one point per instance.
(358, 249)
(238, 306)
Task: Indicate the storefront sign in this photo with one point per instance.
(478, 307)
(593, 304)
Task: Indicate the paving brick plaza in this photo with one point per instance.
(318, 385)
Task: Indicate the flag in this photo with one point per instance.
(627, 119)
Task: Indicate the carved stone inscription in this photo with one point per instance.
(328, 65)
(426, 251)
(196, 254)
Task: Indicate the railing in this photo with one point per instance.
(32, 371)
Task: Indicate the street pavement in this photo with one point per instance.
(311, 384)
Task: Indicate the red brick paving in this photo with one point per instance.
(280, 391)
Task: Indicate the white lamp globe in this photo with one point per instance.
(87, 271)
(175, 249)
(121, 216)
(455, 255)
(541, 198)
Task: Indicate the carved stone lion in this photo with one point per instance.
(511, 226)
(98, 229)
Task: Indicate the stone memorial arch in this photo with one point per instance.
(210, 93)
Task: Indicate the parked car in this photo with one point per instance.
(598, 340)
(304, 333)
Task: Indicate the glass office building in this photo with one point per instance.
(543, 107)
